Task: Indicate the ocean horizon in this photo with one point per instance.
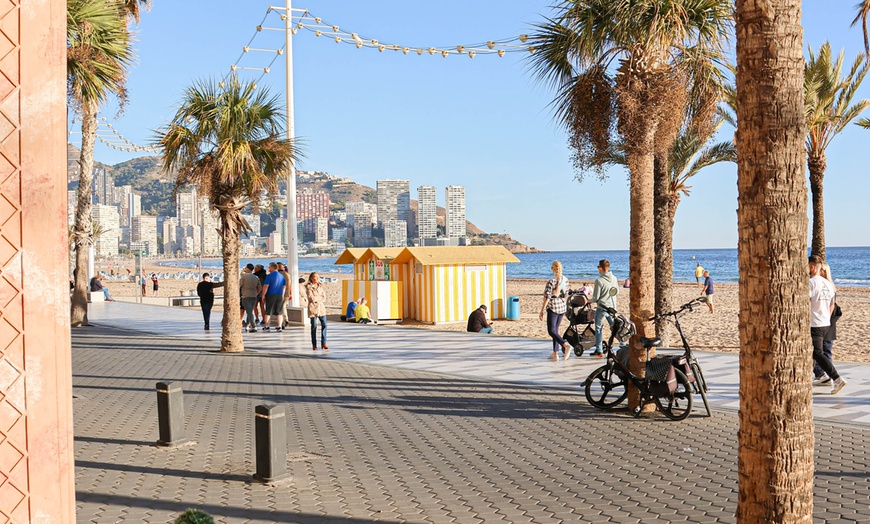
(849, 265)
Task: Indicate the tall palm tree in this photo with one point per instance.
(775, 438)
(98, 54)
(133, 8)
(626, 65)
(225, 139)
(689, 154)
(829, 110)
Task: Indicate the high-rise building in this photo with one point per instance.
(455, 204)
(427, 222)
(106, 217)
(187, 210)
(395, 233)
(170, 236)
(134, 208)
(254, 222)
(143, 228)
(356, 208)
(104, 186)
(319, 228)
(122, 200)
(362, 230)
(394, 200)
(209, 225)
(310, 204)
(281, 228)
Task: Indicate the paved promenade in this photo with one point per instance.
(408, 425)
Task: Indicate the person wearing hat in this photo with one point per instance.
(477, 322)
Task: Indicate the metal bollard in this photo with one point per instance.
(170, 415)
(270, 438)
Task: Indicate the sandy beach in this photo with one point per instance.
(705, 331)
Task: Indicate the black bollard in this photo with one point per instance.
(270, 437)
(170, 415)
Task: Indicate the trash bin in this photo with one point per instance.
(513, 308)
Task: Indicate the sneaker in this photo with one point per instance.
(325, 347)
(278, 329)
(567, 351)
(553, 356)
(252, 330)
(839, 384)
(266, 328)
(596, 354)
(824, 380)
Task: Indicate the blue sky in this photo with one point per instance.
(484, 123)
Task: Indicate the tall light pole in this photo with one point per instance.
(292, 249)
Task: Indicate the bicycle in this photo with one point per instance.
(695, 375)
(606, 387)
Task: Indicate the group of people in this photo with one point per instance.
(265, 294)
(358, 311)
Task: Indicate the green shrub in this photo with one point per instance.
(194, 516)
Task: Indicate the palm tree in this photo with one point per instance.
(626, 65)
(689, 154)
(775, 438)
(225, 139)
(133, 8)
(98, 54)
(829, 110)
(863, 15)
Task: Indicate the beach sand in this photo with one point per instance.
(705, 331)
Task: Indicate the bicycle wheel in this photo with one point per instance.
(605, 388)
(701, 386)
(678, 404)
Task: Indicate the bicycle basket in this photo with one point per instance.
(623, 328)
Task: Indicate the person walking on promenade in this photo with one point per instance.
(603, 295)
(288, 291)
(205, 292)
(154, 284)
(821, 379)
(260, 308)
(273, 293)
(555, 306)
(699, 272)
(143, 281)
(249, 289)
(708, 290)
(316, 309)
(821, 298)
(477, 322)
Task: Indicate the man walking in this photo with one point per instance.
(288, 289)
(249, 289)
(205, 291)
(602, 297)
(260, 310)
(708, 290)
(273, 293)
(821, 297)
(699, 272)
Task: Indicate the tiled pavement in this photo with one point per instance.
(407, 426)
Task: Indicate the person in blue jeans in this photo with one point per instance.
(316, 310)
(602, 297)
(554, 306)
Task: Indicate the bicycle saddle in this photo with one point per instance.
(650, 342)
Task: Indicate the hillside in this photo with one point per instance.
(156, 190)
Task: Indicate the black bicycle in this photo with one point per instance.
(695, 375)
(663, 384)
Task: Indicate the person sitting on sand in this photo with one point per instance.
(477, 322)
(349, 312)
(362, 313)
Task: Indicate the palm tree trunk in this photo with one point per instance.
(817, 165)
(83, 222)
(775, 438)
(231, 325)
(641, 258)
(664, 254)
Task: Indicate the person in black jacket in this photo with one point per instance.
(205, 291)
(477, 322)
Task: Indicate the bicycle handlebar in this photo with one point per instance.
(689, 305)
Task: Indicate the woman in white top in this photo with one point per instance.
(555, 306)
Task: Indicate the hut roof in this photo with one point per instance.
(353, 254)
(448, 255)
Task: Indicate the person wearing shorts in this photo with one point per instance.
(708, 290)
(273, 293)
(249, 288)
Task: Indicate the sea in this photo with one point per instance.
(849, 265)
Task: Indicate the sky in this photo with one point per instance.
(484, 122)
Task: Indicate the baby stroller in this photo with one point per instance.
(580, 333)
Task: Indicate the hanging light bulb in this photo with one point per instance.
(359, 45)
(233, 67)
(354, 36)
(374, 42)
(524, 38)
(471, 54)
(245, 49)
(419, 51)
(259, 28)
(335, 28)
(532, 50)
(280, 51)
(294, 30)
(318, 33)
(318, 20)
(431, 50)
(500, 53)
(266, 70)
(490, 44)
(337, 39)
(405, 50)
(445, 53)
(381, 48)
(460, 49)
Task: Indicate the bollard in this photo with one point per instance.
(170, 415)
(270, 437)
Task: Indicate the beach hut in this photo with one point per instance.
(376, 277)
(447, 283)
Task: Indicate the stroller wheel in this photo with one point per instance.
(578, 350)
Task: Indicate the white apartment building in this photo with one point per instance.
(143, 229)
(122, 200)
(357, 208)
(104, 187)
(394, 200)
(362, 230)
(170, 236)
(134, 208)
(427, 220)
(209, 226)
(395, 233)
(106, 244)
(455, 204)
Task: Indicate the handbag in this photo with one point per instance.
(837, 312)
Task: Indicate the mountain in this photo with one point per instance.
(156, 189)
